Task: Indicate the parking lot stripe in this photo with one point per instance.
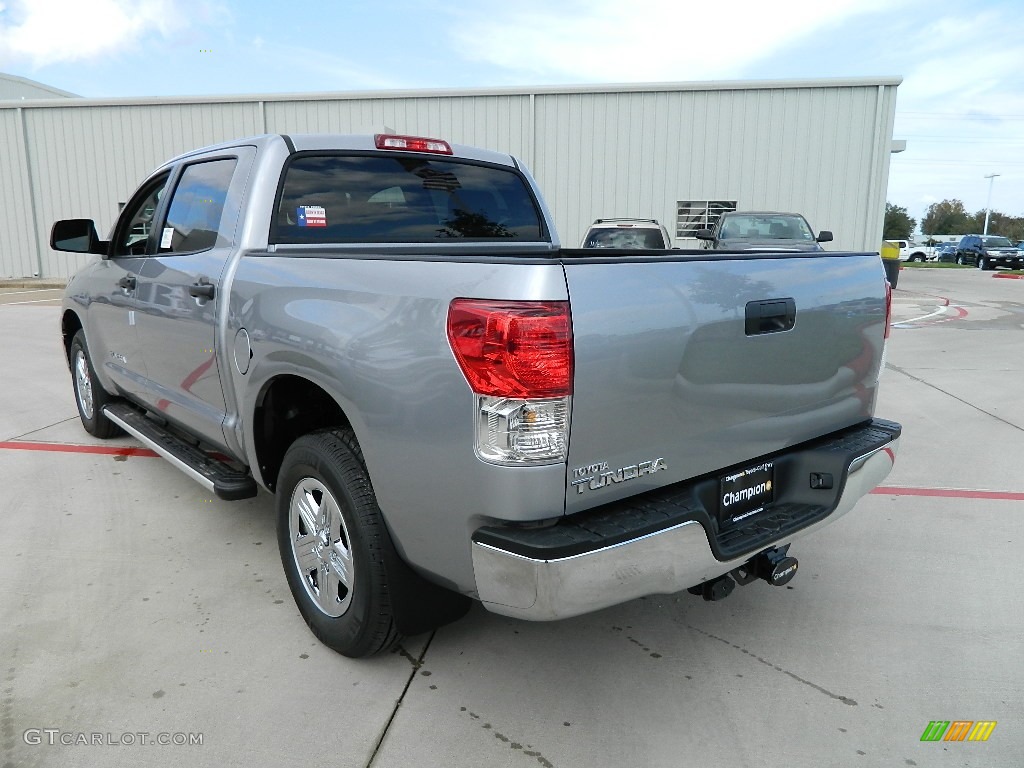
(948, 493)
(883, 490)
(105, 450)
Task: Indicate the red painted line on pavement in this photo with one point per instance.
(105, 450)
(884, 490)
(1008, 277)
(948, 493)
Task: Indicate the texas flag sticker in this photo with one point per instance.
(311, 216)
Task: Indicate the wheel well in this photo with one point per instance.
(70, 324)
(289, 408)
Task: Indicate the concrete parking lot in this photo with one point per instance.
(135, 608)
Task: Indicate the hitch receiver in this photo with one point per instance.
(773, 565)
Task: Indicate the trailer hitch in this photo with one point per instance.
(773, 565)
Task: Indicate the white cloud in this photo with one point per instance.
(651, 40)
(961, 110)
(44, 32)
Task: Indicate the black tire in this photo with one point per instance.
(959, 259)
(984, 264)
(324, 471)
(90, 396)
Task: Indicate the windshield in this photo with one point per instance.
(642, 238)
(765, 227)
(997, 242)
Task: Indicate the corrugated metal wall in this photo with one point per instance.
(820, 148)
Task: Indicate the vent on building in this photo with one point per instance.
(692, 215)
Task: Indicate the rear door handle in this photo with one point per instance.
(201, 289)
(127, 282)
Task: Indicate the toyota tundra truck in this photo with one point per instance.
(385, 333)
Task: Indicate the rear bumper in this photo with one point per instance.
(589, 564)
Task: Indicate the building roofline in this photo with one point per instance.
(38, 85)
(545, 90)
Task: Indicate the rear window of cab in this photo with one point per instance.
(336, 198)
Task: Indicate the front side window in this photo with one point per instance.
(134, 226)
(194, 219)
(402, 199)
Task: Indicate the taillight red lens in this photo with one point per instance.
(412, 143)
(888, 308)
(520, 349)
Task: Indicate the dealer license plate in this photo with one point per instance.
(745, 492)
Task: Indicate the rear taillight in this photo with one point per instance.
(517, 357)
(412, 143)
(513, 348)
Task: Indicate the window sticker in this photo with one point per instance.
(311, 216)
(165, 238)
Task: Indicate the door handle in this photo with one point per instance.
(127, 282)
(769, 316)
(201, 289)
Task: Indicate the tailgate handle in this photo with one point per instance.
(769, 316)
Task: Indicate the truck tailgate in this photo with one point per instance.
(687, 364)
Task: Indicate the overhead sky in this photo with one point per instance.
(960, 107)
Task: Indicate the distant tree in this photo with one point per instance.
(948, 217)
(898, 225)
(1000, 224)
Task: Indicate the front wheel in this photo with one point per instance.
(334, 545)
(90, 396)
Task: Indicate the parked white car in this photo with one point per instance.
(912, 252)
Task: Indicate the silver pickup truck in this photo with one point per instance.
(384, 332)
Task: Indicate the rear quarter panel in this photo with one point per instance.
(372, 333)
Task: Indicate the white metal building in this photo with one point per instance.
(670, 151)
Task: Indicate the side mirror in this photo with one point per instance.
(824, 236)
(75, 236)
(704, 234)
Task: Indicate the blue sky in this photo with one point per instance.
(960, 108)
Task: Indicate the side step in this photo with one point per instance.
(216, 476)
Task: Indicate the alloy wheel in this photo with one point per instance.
(83, 384)
(321, 547)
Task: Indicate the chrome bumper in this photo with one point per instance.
(664, 562)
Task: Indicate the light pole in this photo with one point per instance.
(988, 203)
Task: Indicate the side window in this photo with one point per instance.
(136, 221)
(197, 207)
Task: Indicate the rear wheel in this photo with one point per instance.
(90, 396)
(334, 545)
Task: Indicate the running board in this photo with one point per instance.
(216, 476)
